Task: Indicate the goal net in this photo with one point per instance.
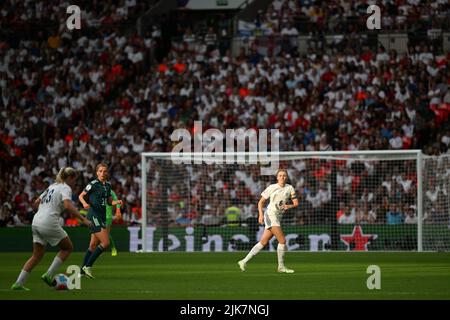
(354, 201)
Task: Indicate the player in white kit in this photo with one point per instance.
(46, 227)
(279, 194)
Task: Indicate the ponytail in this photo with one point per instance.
(65, 173)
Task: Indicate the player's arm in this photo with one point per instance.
(68, 205)
(261, 203)
(264, 196)
(83, 202)
(117, 214)
(294, 202)
(38, 200)
(36, 203)
(113, 202)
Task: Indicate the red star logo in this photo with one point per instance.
(357, 241)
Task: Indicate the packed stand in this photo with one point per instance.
(97, 98)
(26, 14)
(293, 17)
(53, 83)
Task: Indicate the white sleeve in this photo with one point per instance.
(66, 194)
(266, 193)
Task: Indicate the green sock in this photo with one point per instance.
(87, 256)
(97, 252)
(112, 243)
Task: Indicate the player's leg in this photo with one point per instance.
(38, 253)
(267, 235)
(111, 240)
(66, 248)
(93, 244)
(281, 249)
(103, 238)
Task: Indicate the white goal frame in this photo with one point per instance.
(414, 154)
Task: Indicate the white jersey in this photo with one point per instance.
(278, 196)
(52, 205)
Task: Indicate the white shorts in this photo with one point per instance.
(271, 220)
(50, 235)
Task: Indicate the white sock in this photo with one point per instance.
(256, 248)
(54, 266)
(281, 249)
(22, 277)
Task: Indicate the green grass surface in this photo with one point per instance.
(186, 276)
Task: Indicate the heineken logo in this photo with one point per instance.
(356, 241)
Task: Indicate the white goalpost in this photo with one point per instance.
(385, 200)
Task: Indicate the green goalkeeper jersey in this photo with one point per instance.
(109, 208)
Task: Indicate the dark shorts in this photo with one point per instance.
(98, 222)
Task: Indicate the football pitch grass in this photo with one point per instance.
(216, 276)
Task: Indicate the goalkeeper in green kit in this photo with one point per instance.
(109, 218)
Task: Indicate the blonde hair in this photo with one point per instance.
(65, 173)
(101, 164)
(281, 170)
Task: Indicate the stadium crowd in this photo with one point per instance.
(78, 99)
(22, 15)
(290, 17)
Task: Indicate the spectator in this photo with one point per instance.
(6, 219)
(366, 216)
(411, 217)
(349, 216)
(233, 216)
(394, 216)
